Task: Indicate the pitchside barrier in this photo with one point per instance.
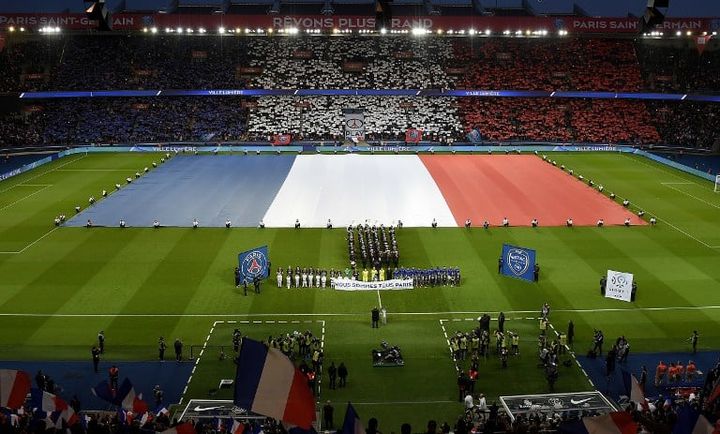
(381, 147)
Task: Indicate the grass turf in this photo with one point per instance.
(137, 284)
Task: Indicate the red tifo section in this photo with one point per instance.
(519, 187)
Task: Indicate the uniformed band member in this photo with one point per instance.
(156, 224)
(600, 223)
(122, 223)
(195, 223)
(653, 221)
(505, 222)
(468, 223)
(297, 223)
(89, 223)
(329, 224)
(569, 222)
(627, 221)
(227, 223)
(534, 223)
(261, 225)
(434, 223)
(486, 224)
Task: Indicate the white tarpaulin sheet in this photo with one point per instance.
(619, 285)
(357, 285)
(353, 189)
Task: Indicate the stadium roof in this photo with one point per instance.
(608, 8)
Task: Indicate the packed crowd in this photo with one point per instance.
(580, 120)
(386, 118)
(133, 120)
(80, 62)
(443, 120)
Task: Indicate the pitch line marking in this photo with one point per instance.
(572, 354)
(356, 314)
(42, 174)
(662, 168)
(677, 183)
(31, 244)
(692, 196)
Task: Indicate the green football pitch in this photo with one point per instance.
(58, 287)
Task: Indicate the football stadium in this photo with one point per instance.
(398, 216)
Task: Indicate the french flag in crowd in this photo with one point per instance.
(268, 383)
(237, 427)
(124, 397)
(183, 428)
(690, 421)
(634, 390)
(55, 406)
(352, 424)
(619, 422)
(14, 387)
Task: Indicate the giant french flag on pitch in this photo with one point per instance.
(268, 383)
(14, 387)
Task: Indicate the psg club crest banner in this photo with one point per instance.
(518, 262)
(619, 285)
(281, 139)
(354, 124)
(254, 263)
(413, 135)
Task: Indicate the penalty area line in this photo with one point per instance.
(17, 252)
(692, 196)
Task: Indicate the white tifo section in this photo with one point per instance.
(350, 189)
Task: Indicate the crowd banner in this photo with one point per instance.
(518, 262)
(619, 285)
(357, 285)
(354, 124)
(254, 263)
(497, 24)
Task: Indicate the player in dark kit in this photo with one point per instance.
(95, 358)
(178, 349)
(161, 348)
(332, 373)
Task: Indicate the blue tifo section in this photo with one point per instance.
(614, 386)
(211, 188)
(77, 378)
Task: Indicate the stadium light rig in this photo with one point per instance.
(153, 30)
(221, 30)
(11, 29)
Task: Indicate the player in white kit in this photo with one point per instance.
(279, 277)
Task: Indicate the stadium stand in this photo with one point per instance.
(78, 62)
(134, 120)
(386, 118)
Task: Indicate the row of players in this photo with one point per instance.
(317, 278)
